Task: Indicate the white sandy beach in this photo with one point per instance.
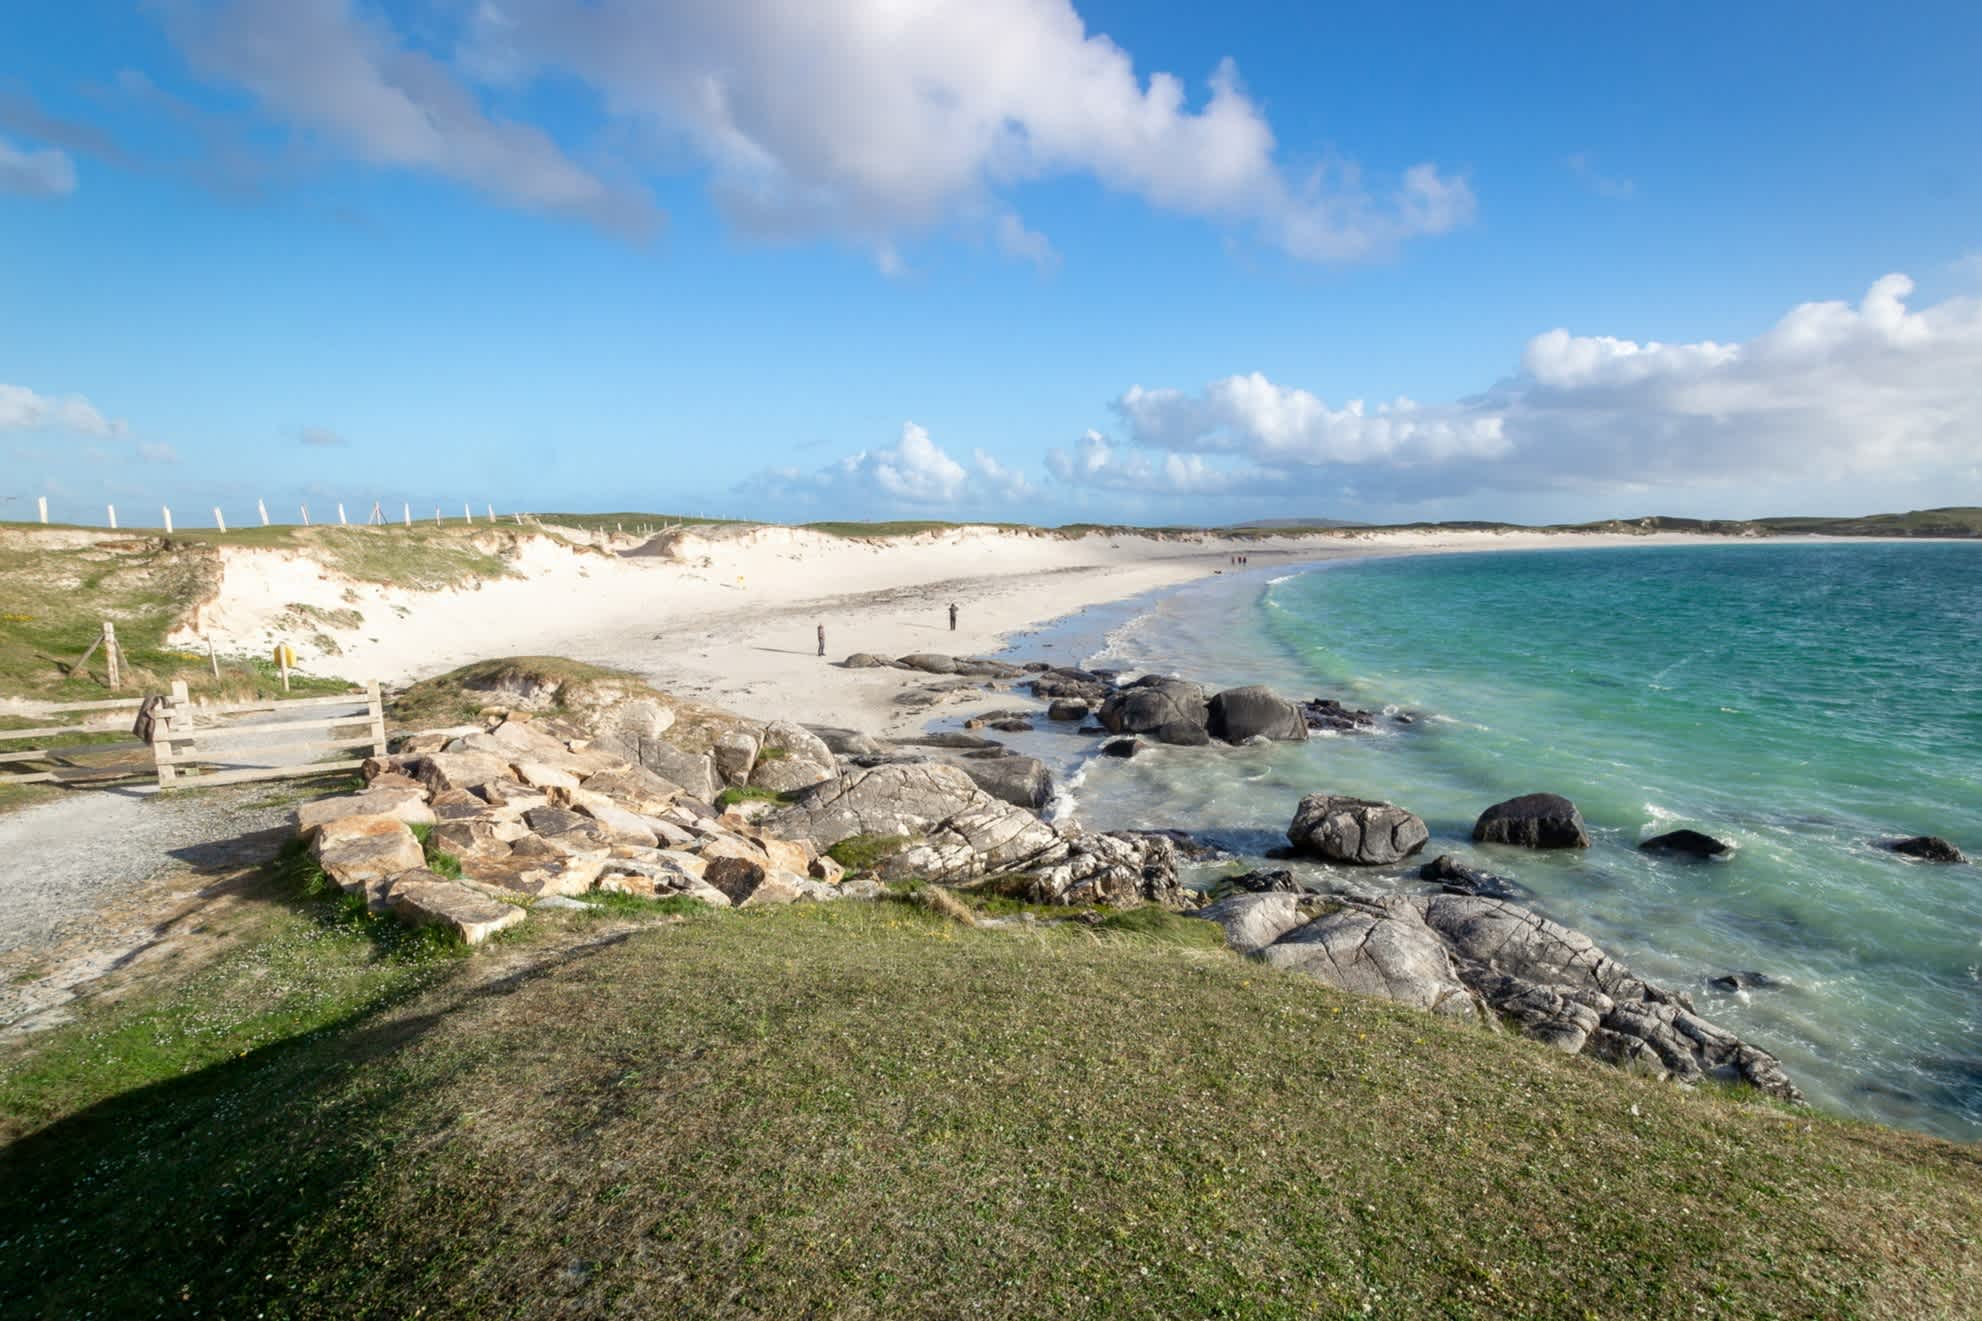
(729, 615)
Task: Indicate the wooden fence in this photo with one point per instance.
(195, 745)
(188, 737)
(61, 757)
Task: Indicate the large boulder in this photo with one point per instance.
(634, 788)
(1255, 920)
(1385, 950)
(440, 771)
(1170, 710)
(1255, 711)
(1927, 848)
(361, 853)
(421, 898)
(735, 755)
(791, 757)
(1021, 781)
(1535, 821)
(1355, 830)
(928, 662)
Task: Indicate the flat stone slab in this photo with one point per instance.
(422, 899)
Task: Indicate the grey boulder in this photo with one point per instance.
(1359, 831)
(1239, 714)
(1535, 821)
(1021, 781)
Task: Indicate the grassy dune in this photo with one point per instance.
(867, 1110)
(57, 585)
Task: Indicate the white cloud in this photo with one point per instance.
(914, 473)
(329, 70)
(1096, 463)
(873, 118)
(1617, 188)
(21, 409)
(43, 173)
(1833, 392)
(321, 437)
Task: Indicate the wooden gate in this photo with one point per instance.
(189, 738)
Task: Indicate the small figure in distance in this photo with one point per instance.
(822, 639)
(953, 616)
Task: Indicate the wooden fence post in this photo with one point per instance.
(163, 754)
(212, 659)
(377, 701)
(110, 656)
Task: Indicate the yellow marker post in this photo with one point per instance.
(285, 658)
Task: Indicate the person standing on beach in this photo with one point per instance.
(822, 639)
(953, 616)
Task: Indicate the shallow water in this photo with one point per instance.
(1800, 701)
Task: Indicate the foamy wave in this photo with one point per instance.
(1283, 578)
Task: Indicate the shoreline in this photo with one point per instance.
(729, 617)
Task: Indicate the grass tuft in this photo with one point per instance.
(860, 853)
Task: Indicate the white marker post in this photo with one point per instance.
(218, 521)
(41, 506)
(492, 513)
(261, 507)
(113, 516)
(306, 515)
(437, 516)
(168, 519)
(340, 514)
(467, 515)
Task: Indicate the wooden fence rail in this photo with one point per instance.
(54, 751)
(189, 739)
(186, 737)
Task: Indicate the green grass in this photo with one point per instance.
(859, 1110)
(859, 853)
(744, 793)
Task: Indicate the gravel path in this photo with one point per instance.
(62, 861)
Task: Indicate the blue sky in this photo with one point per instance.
(1004, 258)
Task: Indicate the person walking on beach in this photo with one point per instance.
(822, 639)
(953, 616)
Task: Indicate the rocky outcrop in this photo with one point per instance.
(1254, 921)
(1927, 848)
(1168, 710)
(1469, 957)
(1122, 870)
(1535, 821)
(1241, 714)
(1385, 950)
(1687, 843)
(1067, 709)
(1355, 830)
(1328, 715)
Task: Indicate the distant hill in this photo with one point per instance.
(1294, 524)
(1953, 521)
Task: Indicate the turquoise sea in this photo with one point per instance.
(1799, 700)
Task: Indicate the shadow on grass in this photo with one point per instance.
(188, 1195)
